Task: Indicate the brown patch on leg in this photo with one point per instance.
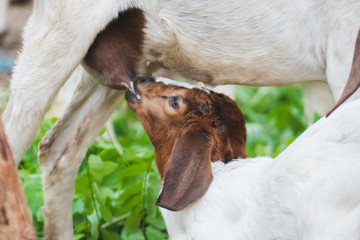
(15, 221)
(116, 53)
(3, 217)
(3, 193)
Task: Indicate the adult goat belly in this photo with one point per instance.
(199, 50)
(115, 57)
(215, 45)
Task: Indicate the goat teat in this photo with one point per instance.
(190, 127)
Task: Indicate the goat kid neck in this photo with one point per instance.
(234, 207)
(310, 191)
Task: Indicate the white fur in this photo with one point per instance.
(254, 42)
(3, 10)
(168, 81)
(310, 191)
(229, 41)
(317, 99)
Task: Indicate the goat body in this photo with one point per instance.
(310, 191)
(217, 42)
(233, 42)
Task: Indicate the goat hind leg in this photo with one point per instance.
(63, 148)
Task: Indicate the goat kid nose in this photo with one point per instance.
(140, 83)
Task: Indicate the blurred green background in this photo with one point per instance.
(116, 188)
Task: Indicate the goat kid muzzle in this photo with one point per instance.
(132, 97)
(133, 94)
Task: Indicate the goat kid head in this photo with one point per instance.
(189, 128)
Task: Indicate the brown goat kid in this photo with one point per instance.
(289, 197)
(189, 128)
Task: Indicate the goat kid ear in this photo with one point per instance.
(189, 174)
(235, 123)
(353, 82)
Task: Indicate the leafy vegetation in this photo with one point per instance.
(116, 189)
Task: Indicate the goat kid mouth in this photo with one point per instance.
(133, 89)
(132, 94)
(132, 97)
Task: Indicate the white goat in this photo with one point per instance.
(272, 42)
(310, 191)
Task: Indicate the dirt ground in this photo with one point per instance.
(10, 42)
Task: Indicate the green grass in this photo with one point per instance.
(116, 189)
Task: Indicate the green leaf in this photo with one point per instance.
(154, 234)
(109, 154)
(95, 163)
(106, 213)
(46, 125)
(40, 215)
(131, 191)
(133, 235)
(153, 182)
(33, 191)
(138, 235)
(53, 120)
(104, 145)
(81, 227)
(133, 221)
(108, 235)
(94, 233)
(316, 117)
(79, 236)
(102, 131)
(133, 170)
(109, 167)
(97, 192)
(133, 201)
(98, 168)
(78, 206)
(156, 221)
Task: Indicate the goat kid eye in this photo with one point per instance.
(174, 102)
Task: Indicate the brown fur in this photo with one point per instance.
(116, 53)
(188, 175)
(205, 127)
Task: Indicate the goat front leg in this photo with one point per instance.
(56, 38)
(63, 148)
